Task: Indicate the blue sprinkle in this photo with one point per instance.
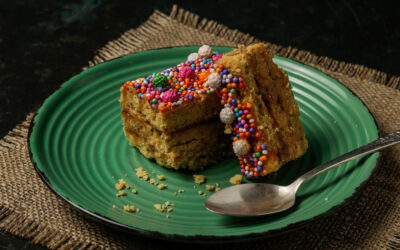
(138, 86)
(225, 71)
(235, 80)
(251, 130)
(240, 112)
(233, 101)
(263, 147)
(259, 168)
(190, 97)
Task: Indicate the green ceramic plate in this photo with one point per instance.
(79, 149)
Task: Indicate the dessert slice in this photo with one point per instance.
(171, 116)
(260, 111)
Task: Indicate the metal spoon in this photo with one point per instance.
(262, 199)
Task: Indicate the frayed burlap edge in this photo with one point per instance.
(134, 40)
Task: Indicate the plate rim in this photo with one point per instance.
(196, 238)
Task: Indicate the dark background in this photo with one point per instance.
(43, 43)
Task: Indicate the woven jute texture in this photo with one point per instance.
(370, 220)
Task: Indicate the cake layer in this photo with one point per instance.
(193, 148)
(273, 108)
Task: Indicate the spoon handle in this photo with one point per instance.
(380, 143)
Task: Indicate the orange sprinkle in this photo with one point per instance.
(263, 158)
(258, 134)
(249, 116)
(204, 76)
(249, 105)
(258, 148)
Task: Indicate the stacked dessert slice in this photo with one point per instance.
(172, 116)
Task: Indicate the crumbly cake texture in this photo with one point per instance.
(262, 113)
(170, 115)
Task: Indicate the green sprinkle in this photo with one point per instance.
(160, 80)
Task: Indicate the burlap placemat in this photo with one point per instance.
(370, 220)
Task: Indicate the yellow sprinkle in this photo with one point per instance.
(114, 206)
(217, 189)
(162, 186)
(200, 192)
(181, 190)
(134, 191)
(169, 210)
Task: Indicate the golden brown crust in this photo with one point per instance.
(276, 113)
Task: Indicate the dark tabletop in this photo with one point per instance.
(45, 42)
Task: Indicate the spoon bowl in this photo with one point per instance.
(256, 199)
(251, 199)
